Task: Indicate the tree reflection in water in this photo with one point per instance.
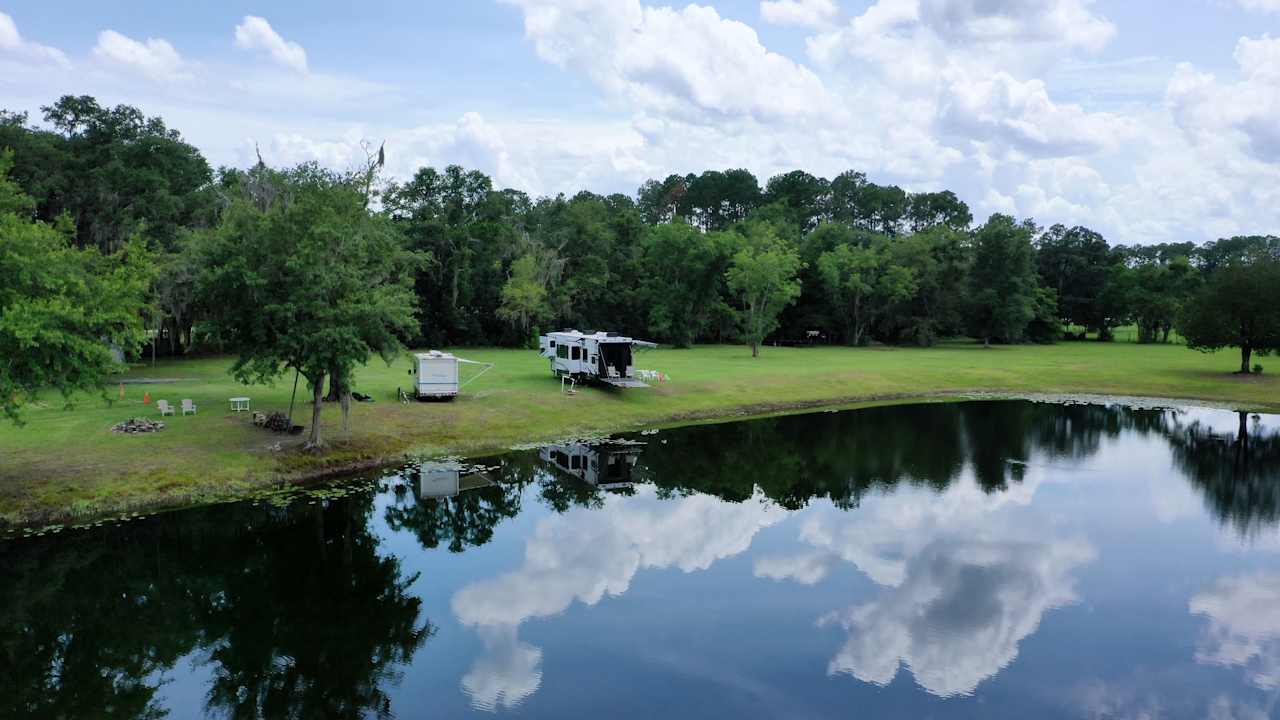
(294, 609)
(86, 623)
(843, 456)
(1238, 474)
(459, 519)
(318, 630)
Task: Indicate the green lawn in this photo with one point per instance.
(1125, 333)
(66, 463)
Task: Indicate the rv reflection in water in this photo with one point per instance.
(608, 467)
(432, 481)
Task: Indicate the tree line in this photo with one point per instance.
(315, 271)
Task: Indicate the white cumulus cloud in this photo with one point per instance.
(1022, 115)
(12, 43)
(969, 68)
(690, 63)
(987, 22)
(805, 13)
(1206, 108)
(155, 58)
(1002, 101)
(255, 33)
(1260, 5)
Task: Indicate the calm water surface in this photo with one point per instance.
(987, 559)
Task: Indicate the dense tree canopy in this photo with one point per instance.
(763, 276)
(63, 310)
(116, 172)
(456, 218)
(872, 262)
(864, 284)
(1002, 283)
(938, 259)
(1075, 263)
(684, 272)
(524, 297)
(313, 283)
(1238, 307)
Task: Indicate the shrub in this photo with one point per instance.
(1257, 368)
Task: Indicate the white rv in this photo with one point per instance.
(436, 374)
(603, 357)
(607, 467)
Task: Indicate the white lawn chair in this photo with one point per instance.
(188, 407)
(165, 407)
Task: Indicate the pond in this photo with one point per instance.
(985, 559)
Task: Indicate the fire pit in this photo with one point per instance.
(133, 426)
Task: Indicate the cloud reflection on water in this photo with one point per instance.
(508, 672)
(1244, 626)
(967, 578)
(889, 529)
(966, 567)
(960, 613)
(584, 555)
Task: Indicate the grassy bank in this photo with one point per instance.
(66, 463)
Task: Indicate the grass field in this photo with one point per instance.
(66, 464)
(1125, 334)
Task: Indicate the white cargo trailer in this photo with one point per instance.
(437, 374)
(602, 357)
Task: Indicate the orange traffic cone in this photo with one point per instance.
(146, 398)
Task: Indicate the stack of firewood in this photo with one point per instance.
(276, 421)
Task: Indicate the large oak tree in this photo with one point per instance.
(1239, 306)
(311, 282)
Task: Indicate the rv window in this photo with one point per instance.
(576, 354)
(575, 462)
(553, 343)
(562, 352)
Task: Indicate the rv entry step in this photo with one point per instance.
(623, 382)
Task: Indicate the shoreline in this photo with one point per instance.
(322, 473)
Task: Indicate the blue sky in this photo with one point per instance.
(1150, 121)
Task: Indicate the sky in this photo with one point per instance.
(1148, 120)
